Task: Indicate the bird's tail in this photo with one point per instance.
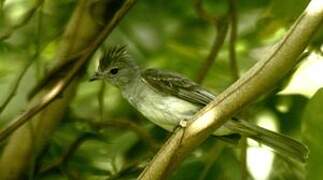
(282, 144)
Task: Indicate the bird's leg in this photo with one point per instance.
(181, 124)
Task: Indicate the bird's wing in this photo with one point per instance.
(174, 84)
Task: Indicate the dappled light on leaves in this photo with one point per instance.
(17, 9)
(305, 80)
(260, 157)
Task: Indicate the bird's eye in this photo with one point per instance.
(114, 71)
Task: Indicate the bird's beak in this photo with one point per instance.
(95, 77)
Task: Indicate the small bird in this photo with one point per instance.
(166, 98)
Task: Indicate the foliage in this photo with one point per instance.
(118, 142)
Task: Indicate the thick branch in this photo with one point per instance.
(257, 81)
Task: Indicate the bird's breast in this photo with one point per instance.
(164, 110)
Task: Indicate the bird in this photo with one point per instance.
(167, 98)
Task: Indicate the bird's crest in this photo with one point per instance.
(115, 53)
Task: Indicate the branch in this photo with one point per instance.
(202, 12)
(80, 32)
(14, 89)
(212, 156)
(62, 160)
(124, 123)
(60, 67)
(63, 82)
(119, 123)
(221, 27)
(256, 82)
(100, 97)
(243, 158)
(16, 84)
(232, 39)
(25, 19)
(1, 6)
(235, 76)
(129, 169)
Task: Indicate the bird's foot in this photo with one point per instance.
(182, 124)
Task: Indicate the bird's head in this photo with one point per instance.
(117, 67)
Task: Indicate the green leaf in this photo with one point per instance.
(189, 170)
(313, 135)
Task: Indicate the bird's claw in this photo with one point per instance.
(183, 123)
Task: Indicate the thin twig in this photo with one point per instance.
(1, 6)
(39, 40)
(232, 38)
(233, 17)
(212, 155)
(16, 84)
(25, 19)
(215, 49)
(129, 169)
(54, 72)
(63, 82)
(221, 27)
(198, 6)
(124, 123)
(32, 129)
(101, 95)
(26, 67)
(243, 158)
(70, 151)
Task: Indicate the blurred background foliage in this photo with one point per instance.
(102, 137)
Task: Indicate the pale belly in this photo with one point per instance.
(168, 112)
(165, 111)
